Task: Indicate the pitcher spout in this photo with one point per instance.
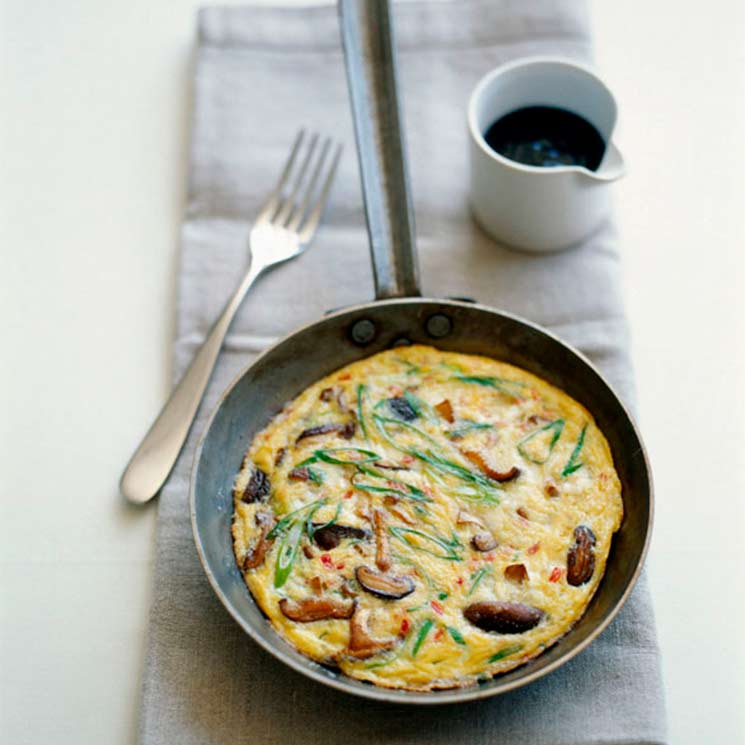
(611, 168)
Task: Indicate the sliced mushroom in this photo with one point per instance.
(402, 409)
(335, 393)
(464, 518)
(551, 489)
(478, 460)
(361, 644)
(345, 430)
(390, 466)
(503, 617)
(387, 586)
(445, 410)
(255, 556)
(299, 474)
(258, 487)
(316, 584)
(316, 609)
(382, 547)
(516, 573)
(581, 556)
(484, 542)
(522, 512)
(280, 456)
(330, 536)
(347, 589)
(402, 515)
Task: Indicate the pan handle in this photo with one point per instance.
(369, 52)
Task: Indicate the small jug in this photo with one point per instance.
(531, 207)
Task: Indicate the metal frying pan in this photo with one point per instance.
(399, 315)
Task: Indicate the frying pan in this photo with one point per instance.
(400, 316)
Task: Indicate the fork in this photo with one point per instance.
(283, 229)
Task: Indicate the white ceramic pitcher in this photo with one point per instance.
(539, 208)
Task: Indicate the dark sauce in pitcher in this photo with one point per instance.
(545, 136)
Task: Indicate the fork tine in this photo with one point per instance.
(270, 206)
(298, 213)
(308, 229)
(287, 204)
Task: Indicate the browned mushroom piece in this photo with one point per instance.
(326, 394)
(255, 556)
(280, 456)
(480, 462)
(402, 515)
(503, 617)
(551, 489)
(464, 518)
(581, 556)
(382, 547)
(484, 542)
(258, 487)
(522, 512)
(387, 586)
(516, 573)
(316, 609)
(361, 645)
(345, 430)
(301, 473)
(341, 401)
(316, 584)
(347, 589)
(330, 536)
(402, 408)
(308, 551)
(390, 466)
(445, 410)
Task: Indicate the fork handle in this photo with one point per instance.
(154, 459)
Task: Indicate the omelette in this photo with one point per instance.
(424, 519)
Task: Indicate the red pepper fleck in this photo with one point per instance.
(348, 494)
(327, 561)
(555, 575)
(459, 580)
(405, 625)
(490, 556)
(436, 607)
(534, 395)
(439, 634)
(407, 459)
(534, 548)
(345, 376)
(340, 566)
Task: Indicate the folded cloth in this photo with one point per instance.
(261, 73)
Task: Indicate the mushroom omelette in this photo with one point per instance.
(425, 519)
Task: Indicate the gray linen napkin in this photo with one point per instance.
(260, 75)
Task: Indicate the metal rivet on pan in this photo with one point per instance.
(363, 331)
(439, 325)
(402, 341)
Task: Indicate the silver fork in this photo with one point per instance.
(282, 230)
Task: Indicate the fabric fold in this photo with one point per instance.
(261, 74)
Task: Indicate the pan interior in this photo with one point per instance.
(313, 352)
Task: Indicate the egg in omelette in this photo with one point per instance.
(426, 519)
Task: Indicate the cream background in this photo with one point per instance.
(93, 133)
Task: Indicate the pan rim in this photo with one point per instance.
(307, 666)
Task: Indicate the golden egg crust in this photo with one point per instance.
(426, 519)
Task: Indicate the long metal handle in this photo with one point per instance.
(154, 459)
(369, 51)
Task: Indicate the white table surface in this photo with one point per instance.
(94, 101)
